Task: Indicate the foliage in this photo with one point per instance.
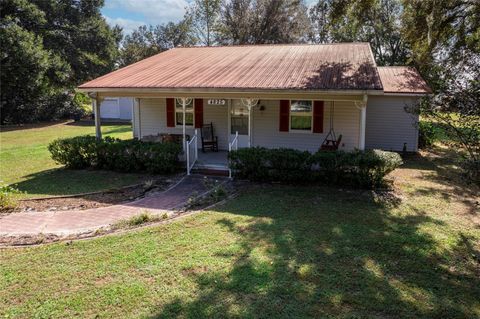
(150, 40)
(7, 197)
(359, 168)
(375, 21)
(49, 47)
(115, 154)
(427, 134)
(263, 21)
(204, 17)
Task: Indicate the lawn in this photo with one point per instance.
(274, 251)
(25, 160)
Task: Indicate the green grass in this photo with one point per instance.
(25, 160)
(273, 252)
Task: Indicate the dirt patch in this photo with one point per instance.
(95, 200)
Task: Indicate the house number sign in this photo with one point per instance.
(217, 102)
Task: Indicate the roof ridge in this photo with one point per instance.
(269, 44)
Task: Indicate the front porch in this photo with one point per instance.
(273, 123)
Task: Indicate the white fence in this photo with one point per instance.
(192, 152)
(232, 146)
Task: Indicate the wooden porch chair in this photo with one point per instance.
(209, 140)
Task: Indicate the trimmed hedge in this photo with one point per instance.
(365, 169)
(115, 154)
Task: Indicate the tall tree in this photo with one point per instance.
(149, 40)
(62, 43)
(204, 17)
(264, 21)
(375, 21)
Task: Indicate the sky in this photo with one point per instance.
(130, 14)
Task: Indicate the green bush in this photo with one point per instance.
(365, 169)
(115, 154)
(7, 197)
(429, 133)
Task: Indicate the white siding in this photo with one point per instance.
(389, 126)
(266, 127)
(152, 115)
(153, 120)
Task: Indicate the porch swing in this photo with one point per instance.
(331, 142)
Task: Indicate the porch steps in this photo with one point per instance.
(212, 170)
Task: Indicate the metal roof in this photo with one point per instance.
(402, 79)
(341, 66)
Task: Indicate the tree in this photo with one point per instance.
(150, 40)
(204, 17)
(264, 21)
(375, 21)
(48, 48)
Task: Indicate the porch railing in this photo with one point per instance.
(192, 152)
(232, 146)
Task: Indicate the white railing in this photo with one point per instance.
(232, 146)
(192, 149)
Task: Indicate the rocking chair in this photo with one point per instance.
(209, 140)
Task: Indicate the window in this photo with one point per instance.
(301, 116)
(188, 113)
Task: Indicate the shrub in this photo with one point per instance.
(76, 152)
(358, 168)
(428, 133)
(250, 163)
(289, 165)
(115, 154)
(7, 197)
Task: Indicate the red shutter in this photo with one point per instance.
(198, 113)
(284, 115)
(318, 117)
(170, 112)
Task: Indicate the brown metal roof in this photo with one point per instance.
(402, 79)
(342, 66)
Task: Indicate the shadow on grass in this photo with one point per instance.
(443, 164)
(320, 252)
(61, 181)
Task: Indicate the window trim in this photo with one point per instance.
(175, 115)
(290, 130)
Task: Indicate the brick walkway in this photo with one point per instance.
(70, 222)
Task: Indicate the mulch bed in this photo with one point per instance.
(94, 200)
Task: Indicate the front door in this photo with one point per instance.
(239, 123)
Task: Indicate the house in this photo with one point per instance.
(116, 109)
(293, 96)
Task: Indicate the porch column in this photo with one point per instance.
(183, 126)
(249, 126)
(96, 107)
(363, 121)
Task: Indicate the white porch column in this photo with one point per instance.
(363, 121)
(136, 120)
(363, 124)
(183, 126)
(249, 126)
(96, 106)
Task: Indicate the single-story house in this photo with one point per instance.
(116, 109)
(293, 96)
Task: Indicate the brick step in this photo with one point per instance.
(210, 171)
